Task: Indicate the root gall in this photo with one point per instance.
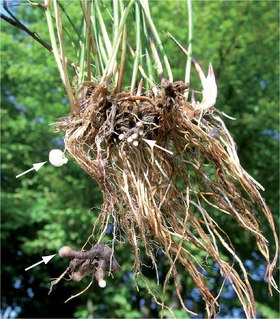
(96, 262)
(65, 252)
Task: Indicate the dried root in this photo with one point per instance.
(164, 165)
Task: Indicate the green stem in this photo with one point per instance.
(150, 67)
(147, 54)
(189, 57)
(112, 60)
(63, 59)
(138, 47)
(61, 62)
(89, 40)
(141, 69)
(97, 40)
(82, 56)
(145, 6)
(156, 58)
(105, 36)
(116, 16)
(102, 51)
(123, 56)
(54, 45)
(69, 19)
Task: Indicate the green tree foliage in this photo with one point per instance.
(56, 206)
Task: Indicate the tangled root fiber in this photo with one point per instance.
(164, 166)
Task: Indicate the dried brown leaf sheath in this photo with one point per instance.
(165, 199)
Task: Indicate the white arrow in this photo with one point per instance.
(36, 166)
(153, 144)
(45, 259)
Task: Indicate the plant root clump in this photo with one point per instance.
(164, 166)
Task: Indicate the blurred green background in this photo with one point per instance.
(57, 206)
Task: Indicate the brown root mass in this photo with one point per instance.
(164, 195)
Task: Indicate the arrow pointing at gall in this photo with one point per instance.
(153, 144)
(45, 259)
(36, 167)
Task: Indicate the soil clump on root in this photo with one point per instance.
(164, 165)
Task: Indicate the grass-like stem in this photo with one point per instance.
(82, 55)
(147, 54)
(141, 69)
(115, 16)
(97, 41)
(54, 44)
(156, 58)
(62, 53)
(190, 40)
(123, 55)
(59, 55)
(145, 6)
(138, 46)
(112, 61)
(105, 36)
